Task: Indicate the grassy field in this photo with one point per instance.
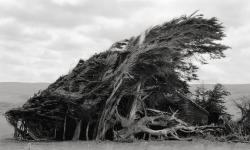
(107, 145)
(6, 143)
(6, 131)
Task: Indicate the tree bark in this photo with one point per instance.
(77, 131)
(106, 123)
(87, 132)
(55, 134)
(108, 111)
(64, 126)
(135, 103)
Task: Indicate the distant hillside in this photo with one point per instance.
(13, 92)
(4, 106)
(236, 90)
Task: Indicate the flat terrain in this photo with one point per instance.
(141, 145)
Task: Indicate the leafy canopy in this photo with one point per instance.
(169, 51)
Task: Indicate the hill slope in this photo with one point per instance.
(18, 93)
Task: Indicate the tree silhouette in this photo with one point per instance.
(213, 101)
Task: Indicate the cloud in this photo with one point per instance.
(67, 2)
(68, 14)
(41, 40)
(235, 66)
(15, 31)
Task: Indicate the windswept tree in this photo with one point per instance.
(213, 101)
(164, 56)
(124, 81)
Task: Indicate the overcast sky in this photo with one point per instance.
(41, 40)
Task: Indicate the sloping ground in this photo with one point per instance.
(236, 90)
(18, 93)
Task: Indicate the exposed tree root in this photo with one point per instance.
(170, 124)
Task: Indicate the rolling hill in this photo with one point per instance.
(14, 94)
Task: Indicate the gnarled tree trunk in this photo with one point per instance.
(108, 112)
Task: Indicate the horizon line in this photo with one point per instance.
(53, 82)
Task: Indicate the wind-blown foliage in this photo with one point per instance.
(213, 101)
(151, 67)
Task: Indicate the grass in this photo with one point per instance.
(107, 145)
